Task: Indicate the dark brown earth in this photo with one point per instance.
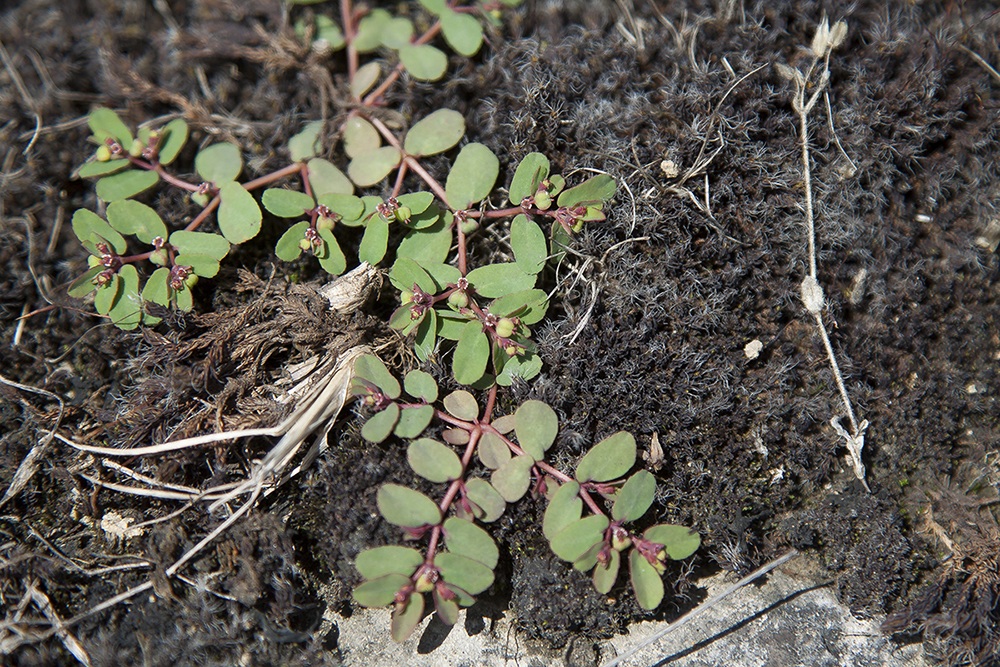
(750, 458)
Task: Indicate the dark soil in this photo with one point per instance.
(670, 294)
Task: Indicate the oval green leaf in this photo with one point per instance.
(413, 421)
(325, 178)
(131, 217)
(405, 619)
(679, 541)
(405, 273)
(200, 243)
(360, 137)
(436, 133)
(175, 134)
(536, 426)
(126, 184)
(84, 285)
(527, 240)
(369, 34)
(106, 295)
(609, 459)
(427, 246)
(513, 478)
(365, 78)
(565, 508)
(286, 203)
(95, 168)
(635, 497)
(106, 124)
(126, 313)
(530, 172)
(239, 215)
(472, 176)
(202, 265)
(219, 163)
(605, 575)
(381, 591)
(528, 305)
(594, 190)
(87, 223)
(392, 559)
(472, 352)
(157, 289)
(468, 574)
(375, 241)
(646, 581)
(331, 257)
(447, 610)
(423, 62)
(490, 504)
(493, 452)
(381, 424)
(465, 538)
(421, 385)
(462, 32)
(404, 507)
(369, 367)
(370, 168)
(305, 144)
(462, 404)
(577, 538)
(433, 461)
(496, 280)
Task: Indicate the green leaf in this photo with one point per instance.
(329, 32)
(436, 133)
(219, 163)
(381, 591)
(606, 575)
(496, 280)
(84, 285)
(491, 504)
(369, 35)
(95, 168)
(472, 352)
(608, 459)
(369, 367)
(421, 385)
(348, 207)
(565, 508)
(325, 179)
(418, 202)
(528, 305)
(427, 246)
(332, 258)
(680, 541)
(423, 62)
(286, 203)
(536, 426)
(202, 265)
(175, 134)
(306, 143)
(465, 538)
(365, 78)
(472, 176)
(405, 619)
(397, 33)
(525, 366)
(157, 289)
(402, 506)
(513, 478)
(105, 124)
(426, 338)
(433, 461)
(468, 574)
(597, 189)
(126, 184)
(405, 273)
(530, 172)
(392, 559)
(126, 312)
(287, 248)
(360, 137)
(375, 241)
(646, 581)
(86, 223)
(635, 497)
(436, 7)
(370, 168)
(492, 451)
(527, 240)
(462, 404)
(451, 325)
(381, 424)
(184, 300)
(577, 538)
(413, 421)
(239, 215)
(200, 243)
(462, 32)
(131, 217)
(447, 610)
(589, 559)
(106, 295)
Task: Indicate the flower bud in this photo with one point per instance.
(505, 327)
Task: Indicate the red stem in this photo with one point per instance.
(350, 33)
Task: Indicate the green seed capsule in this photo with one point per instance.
(135, 150)
(458, 300)
(505, 327)
(103, 153)
(543, 200)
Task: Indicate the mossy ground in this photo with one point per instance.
(670, 292)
